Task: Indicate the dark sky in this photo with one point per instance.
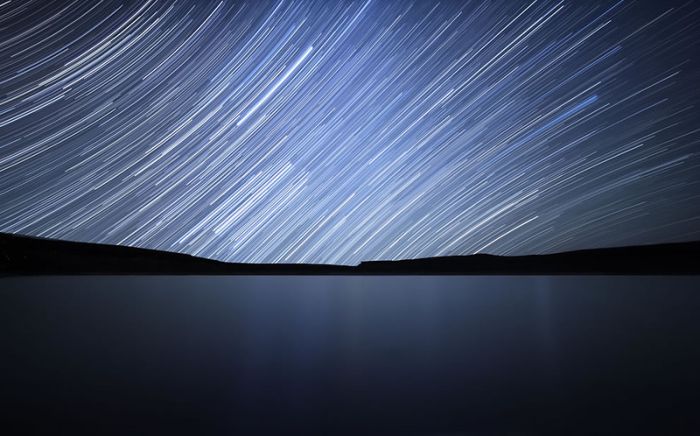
(329, 131)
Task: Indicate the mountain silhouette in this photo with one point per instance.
(25, 255)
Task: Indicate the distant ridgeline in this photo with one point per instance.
(23, 255)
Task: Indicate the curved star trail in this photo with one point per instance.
(336, 132)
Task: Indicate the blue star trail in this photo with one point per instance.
(343, 131)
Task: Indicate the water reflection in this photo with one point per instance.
(409, 355)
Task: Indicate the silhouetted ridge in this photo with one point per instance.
(24, 255)
(674, 258)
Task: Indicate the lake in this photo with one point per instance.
(351, 354)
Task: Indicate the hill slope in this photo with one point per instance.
(23, 255)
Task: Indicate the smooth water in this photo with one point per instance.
(351, 355)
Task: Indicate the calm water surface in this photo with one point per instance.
(351, 355)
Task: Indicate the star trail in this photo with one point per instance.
(343, 131)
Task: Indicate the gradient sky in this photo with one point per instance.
(339, 131)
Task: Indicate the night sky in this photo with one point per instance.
(336, 132)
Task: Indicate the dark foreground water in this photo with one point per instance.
(350, 355)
